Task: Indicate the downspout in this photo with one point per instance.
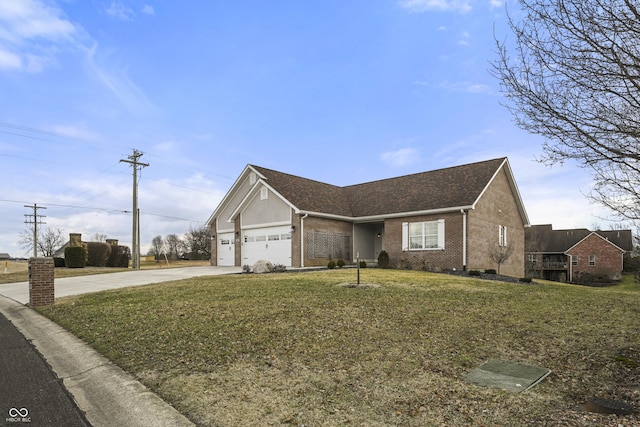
(464, 239)
(302, 239)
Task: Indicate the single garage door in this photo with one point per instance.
(272, 244)
(226, 252)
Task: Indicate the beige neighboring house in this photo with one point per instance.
(452, 218)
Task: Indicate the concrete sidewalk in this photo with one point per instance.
(67, 286)
(104, 393)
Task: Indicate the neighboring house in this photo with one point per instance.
(4, 256)
(444, 219)
(75, 239)
(576, 255)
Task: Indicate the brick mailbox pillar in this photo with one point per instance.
(41, 281)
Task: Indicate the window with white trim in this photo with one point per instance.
(574, 259)
(592, 260)
(419, 236)
(502, 235)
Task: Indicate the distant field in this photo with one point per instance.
(17, 271)
(312, 349)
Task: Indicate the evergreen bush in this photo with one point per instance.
(383, 259)
(119, 256)
(75, 257)
(331, 265)
(340, 263)
(58, 262)
(98, 254)
(363, 264)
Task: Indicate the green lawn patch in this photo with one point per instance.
(304, 349)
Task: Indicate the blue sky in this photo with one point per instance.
(338, 91)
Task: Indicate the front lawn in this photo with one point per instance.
(303, 349)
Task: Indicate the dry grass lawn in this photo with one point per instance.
(303, 349)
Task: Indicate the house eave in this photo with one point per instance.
(382, 217)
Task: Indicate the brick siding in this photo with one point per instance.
(608, 258)
(41, 281)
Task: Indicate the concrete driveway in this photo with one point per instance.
(99, 282)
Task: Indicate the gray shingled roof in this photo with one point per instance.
(544, 239)
(440, 189)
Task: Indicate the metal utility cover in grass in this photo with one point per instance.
(509, 376)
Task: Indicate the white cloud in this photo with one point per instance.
(118, 82)
(147, 9)
(9, 60)
(495, 3)
(30, 30)
(465, 86)
(402, 157)
(419, 6)
(120, 11)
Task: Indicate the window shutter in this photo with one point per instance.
(505, 235)
(405, 236)
(441, 233)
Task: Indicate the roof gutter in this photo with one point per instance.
(373, 218)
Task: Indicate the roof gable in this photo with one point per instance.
(451, 188)
(543, 239)
(596, 235)
(454, 187)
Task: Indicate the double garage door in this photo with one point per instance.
(272, 244)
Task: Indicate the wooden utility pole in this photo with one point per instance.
(135, 233)
(35, 221)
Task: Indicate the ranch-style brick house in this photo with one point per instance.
(452, 218)
(576, 255)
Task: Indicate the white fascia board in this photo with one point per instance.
(514, 190)
(229, 193)
(374, 218)
(602, 237)
(251, 194)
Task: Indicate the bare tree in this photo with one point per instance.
(501, 254)
(573, 78)
(49, 241)
(174, 245)
(157, 247)
(198, 242)
(99, 237)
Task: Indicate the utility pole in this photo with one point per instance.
(135, 233)
(35, 221)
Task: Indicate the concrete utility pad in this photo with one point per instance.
(510, 376)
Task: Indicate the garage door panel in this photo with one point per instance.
(272, 244)
(226, 250)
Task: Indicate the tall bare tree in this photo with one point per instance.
(173, 245)
(49, 241)
(573, 77)
(198, 242)
(157, 246)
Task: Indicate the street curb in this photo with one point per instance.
(105, 393)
